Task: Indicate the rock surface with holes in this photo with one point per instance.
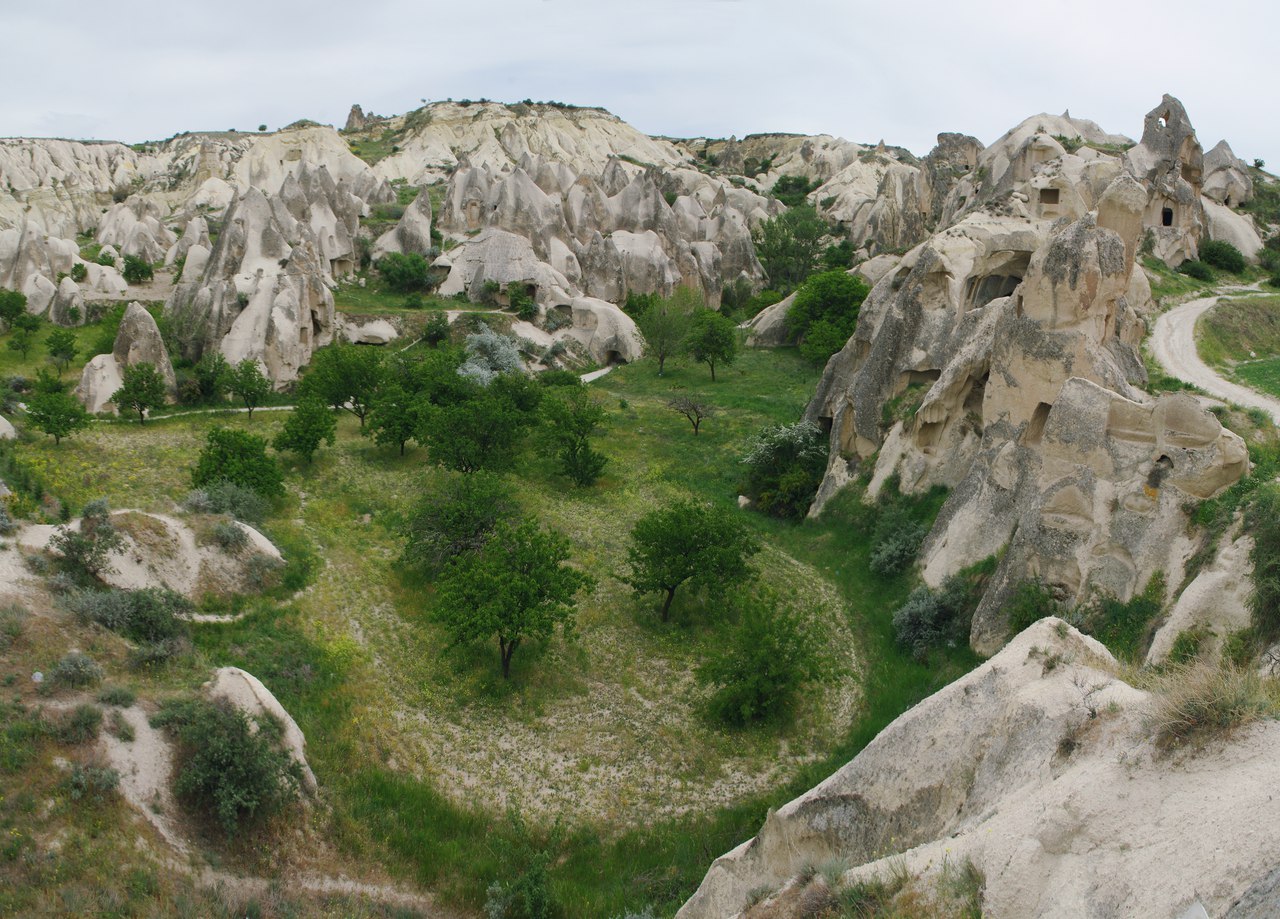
(1040, 769)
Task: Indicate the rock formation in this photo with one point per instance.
(246, 692)
(137, 342)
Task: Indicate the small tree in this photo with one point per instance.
(688, 542)
(24, 327)
(13, 303)
(346, 376)
(62, 348)
(249, 384)
(456, 517)
(693, 409)
(712, 340)
(788, 246)
(143, 390)
(785, 465)
(57, 414)
(824, 313)
(518, 588)
(213, 376)
(665, 323)
(572, 419)
(393, 416)
(85, 551)
(484, 431)
(404, 272)
(240, 458)
(309, 424)
(137, 270)
(436, 329)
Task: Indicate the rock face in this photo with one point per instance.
(1039, 768)
(137, 342)
(412, 234)
(246, 692)
(1015, 332)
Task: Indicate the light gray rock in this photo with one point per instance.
(247, 693)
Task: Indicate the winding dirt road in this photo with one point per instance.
(1173, 345)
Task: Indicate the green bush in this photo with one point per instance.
(89, 781)
(942, 618)
(231, 767)
(137, 270)
(824, 313)
(895, 541)
(79, 272)
(85, 551)
(785, 465)
(404, 272)
(225, 497)
(229, 537)
(80, 725)
(1219, 253)
(241, 458)
(1262, 521)
(792, 190)
(1031, 602)
(1124, 626)
(150, 615)
(456, 517)
(1196, 269)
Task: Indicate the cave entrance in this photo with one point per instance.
(1166, 217)
(1050, 195)
(1035, 427)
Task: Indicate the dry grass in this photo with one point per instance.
(1199, 703)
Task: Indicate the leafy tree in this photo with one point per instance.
(436, 329)
(665, 323)
(48, 382)
(24, 327)
(712, 339)
(404, 272)
(143, 390)
(213, 376)
(62, 348)
(792, 190)
(249, 384)
(1221, 254)
(825, 313)
(693, 409)
(770, 655)
(137, 270)
(13, 303)
(838, 256)
(346, 377)
(517, 588)
(482, 432)
(687, 541)
(393, 416)
(456, 516)
(489, 356)
(788, 246)
(238, 457)
(57, 414)
(785, 465)
(309, 424)
(86, 551)
(572, 419)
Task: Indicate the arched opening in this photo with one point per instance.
(1166, 217)
(612, 357)
(1159, 472)
(1035, 427)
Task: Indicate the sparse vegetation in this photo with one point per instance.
(1199, 703)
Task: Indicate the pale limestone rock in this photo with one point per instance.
(1216, 600)
(1229, 226)
(1226, 177)
(246, 692)
(138, 341)
(413, 232)
(768, 328)
(377, 332)
(135, 227)
(67, 306)
(609, 335)
(7, 431)
(99, 381)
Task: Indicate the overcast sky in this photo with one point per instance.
(901, 71)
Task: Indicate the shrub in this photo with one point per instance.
(404, 272)
(436, 329)
(489, 355)
(824, 313)
(522, 304)
(240, 458)
(1262, 520)
(13, 619)
(7, 523)
(106, 259)
(231, 767)
(137, 270)
(895, 541)
(229, 537)
(80, 725)
(225, 497)
(528, 896)
(92, 781)
(931, 619)
(785, 465)
(85, 551)
(559, 378)
(1124, 626)
(1187, 645)
(150, 615)
(1197, 703)
(456, 517)
(1219, 253)
(1196, 269)
(79, 272)
(1031, 602)
(117, 696)
(771, 654)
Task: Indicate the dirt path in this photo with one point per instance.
(1173, 345)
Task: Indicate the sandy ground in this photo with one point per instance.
(1173, 345)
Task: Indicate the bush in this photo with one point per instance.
(79, 272)
(229, 537)
(895, 541)
(85, 551)
(404, 273)
(771, 654)
(1262, 521)
(117, 696)
(225, 497)
(456, 517)
(1196, 269)
(1197, 703)
(137, 270)
(13, 620)
(785, 465)
(150, 615)
(1124, 626)
(231, 767)
(1031, 602)
(490, 355)
(1221, 254)
(941, 618)
(436, 329)
(824, 313)
(241, 458)
(93, 782)
(80, 725)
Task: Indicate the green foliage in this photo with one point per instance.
(247, 381)
(771, 654)
(91, 782)
(483, 430)
(712, 339)
(436, 329)
(895, 540)
(137, 270)
(935, 619)
(57, 414)
(792, 190)
(838, 256)
(1197, 703)
(1262, 521)
(346, 377)
(1031, 602)
(105, 259)
(238, 457)
(489, 356)
(571, 420)
(82, 723)
(23, 329)
(664, 323)
(788, 246)
(1187, 645)
(686, 541)
(521, 303)
(785, 465)
(223, 497)
(516, 588)
(142, 390)
(213, 376)
(825, 313)
(150, 615)
(1193, 268)
(76, 671)
(233, 769)
(1124, 627)
(393, 416)
(1219, 253)
(310, 424)
(405, 272)
(13, 304)
(62, 347)
(455, 517)
(85, 551)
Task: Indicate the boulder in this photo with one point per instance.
(139, 341)
(376, 332)
(768, 328)
(608, 334)
(99, 381)
(246, 692)
(1227, 225)
(412, 234)
(7, 431)
(1226, 177)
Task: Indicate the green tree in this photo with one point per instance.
(456, 516)
(24, 327)
(688, 542)
(346, 376)
(213, 376)
(788, 246)
(230, 455)
(784, 466)
(792, 190)
(57, 414)
(86, 550)
(393, 416)
(309, 424)
(770, 655)
(13, 303)
(712, 339)
(517, 588)
(665, 323)
(436, 329)
(403, 272)
(143, 390)
(571, 420)
(483, 430)
(137, 270)
(62, 348)
(249, 384)
(824, 313)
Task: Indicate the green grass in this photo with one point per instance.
(1261, 375)
(1241, 337)
(13, 363)
(1169, 284)
(375, 300)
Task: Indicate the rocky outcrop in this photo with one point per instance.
(246, 692)
(1040, 769)
(1170, 163)
(412, 234)
(1226, 177)
(138, 341)
(136, 227)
